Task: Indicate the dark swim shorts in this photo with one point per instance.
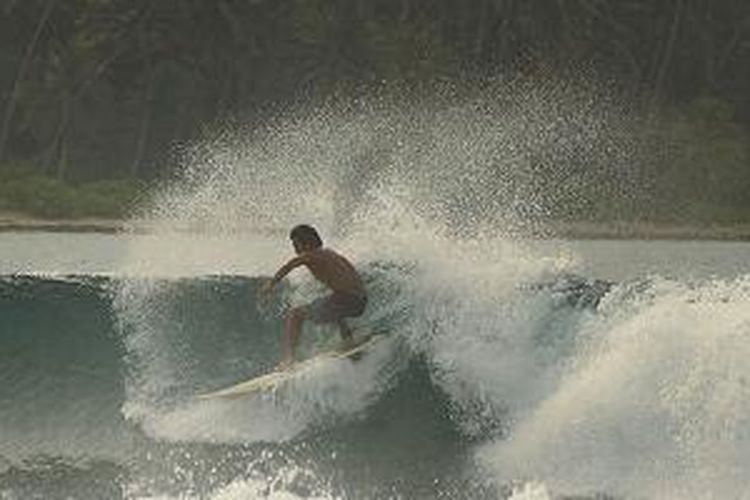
(335, 307)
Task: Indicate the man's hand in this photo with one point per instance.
(266, 288)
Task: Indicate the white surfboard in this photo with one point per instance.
(277, 378)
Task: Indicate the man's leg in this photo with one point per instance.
(348, 307)
(346, 333)
(292, 326)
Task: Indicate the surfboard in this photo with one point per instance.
(277, 378)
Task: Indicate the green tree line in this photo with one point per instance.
(103, 90)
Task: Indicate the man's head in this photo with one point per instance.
(305, 238)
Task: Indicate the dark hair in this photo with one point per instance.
(307, 235)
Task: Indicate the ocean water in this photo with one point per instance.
(504, 376)
(514, 368)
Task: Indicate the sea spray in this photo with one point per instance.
(428, 198)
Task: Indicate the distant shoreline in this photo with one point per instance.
(22, 223)
(104, 227)
(645, 231)
(580, 231)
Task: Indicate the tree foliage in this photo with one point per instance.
(98, 89)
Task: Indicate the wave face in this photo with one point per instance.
(97, 399)
(507, 372)
(595, 387)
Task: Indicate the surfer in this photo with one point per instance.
(347, 300)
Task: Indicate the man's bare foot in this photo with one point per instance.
(350, 343)
(346, 344)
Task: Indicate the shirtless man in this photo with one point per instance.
(347, 300)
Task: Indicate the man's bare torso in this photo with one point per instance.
(334, 271)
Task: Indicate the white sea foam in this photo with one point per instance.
(656, 405)
(326, 393)
(282, 486)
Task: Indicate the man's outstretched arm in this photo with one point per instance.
(284, 270)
